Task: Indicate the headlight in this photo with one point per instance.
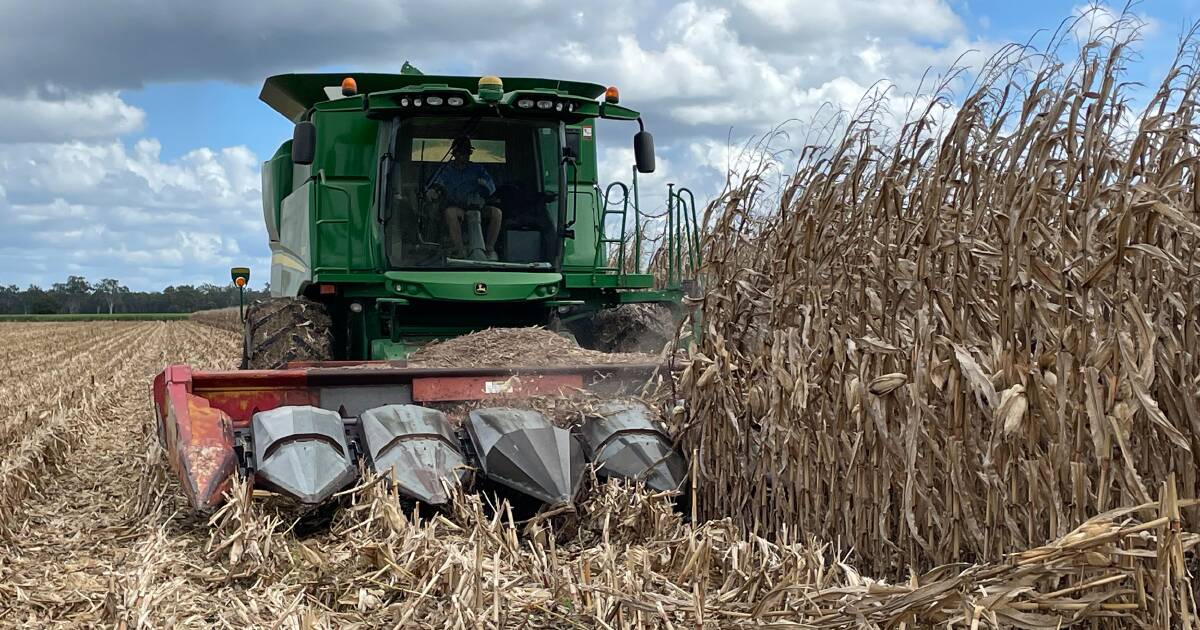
(545, 104)
(416, 102)
(558, 107)
(356, 307)
(525, 103)
(404, 102)
(454, 101)
(434, 100)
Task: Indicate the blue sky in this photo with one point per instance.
(130, 138)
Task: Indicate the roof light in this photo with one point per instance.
(612, 95)
(525, 103)
(455, 101)
(434, 100)
(349, 86)
(545, 104)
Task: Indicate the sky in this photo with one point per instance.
(131, 135)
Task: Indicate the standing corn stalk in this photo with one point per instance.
(954, 343)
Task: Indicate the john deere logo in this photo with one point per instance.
(480, 288)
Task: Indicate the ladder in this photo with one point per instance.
(609, 209)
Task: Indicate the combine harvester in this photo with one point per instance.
(409, 208)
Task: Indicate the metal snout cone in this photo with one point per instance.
(623, 441)
(416, 449)
(302, 452)
(520, 449)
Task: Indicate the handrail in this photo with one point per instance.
(601, 250)
(692, 231)
(682, 231)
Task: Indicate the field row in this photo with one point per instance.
(57, 382)
(94, 317)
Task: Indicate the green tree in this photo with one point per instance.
(111, 290)
(74, 292)
(41, 302)
(11, 300)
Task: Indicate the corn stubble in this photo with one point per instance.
(956, 342)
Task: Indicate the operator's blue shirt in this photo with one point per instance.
(461, 182)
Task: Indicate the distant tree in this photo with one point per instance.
(74, 292)
(41, 302)
(11, 299)
(111, 291)
(76, 295)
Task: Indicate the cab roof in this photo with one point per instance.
(293, 94)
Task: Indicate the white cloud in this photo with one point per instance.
(706, 74)
(710, 66)
(1097, 19)
(108, 209)
(822, 20)
(34, 117)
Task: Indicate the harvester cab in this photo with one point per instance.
(410, 208)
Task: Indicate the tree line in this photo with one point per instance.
(77, 295)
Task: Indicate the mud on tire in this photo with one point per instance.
(280, 330)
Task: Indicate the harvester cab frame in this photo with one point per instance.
(345, 202)
(327, 205)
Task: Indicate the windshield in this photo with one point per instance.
(479, 192)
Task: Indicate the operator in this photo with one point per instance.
(460, 181)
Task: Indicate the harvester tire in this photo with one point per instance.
(281, 330)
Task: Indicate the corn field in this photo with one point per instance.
(945, 344)
(947, 378)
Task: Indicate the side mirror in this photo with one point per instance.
(304, 142)
(643, 151)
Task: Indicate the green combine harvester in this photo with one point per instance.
(409, 208)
